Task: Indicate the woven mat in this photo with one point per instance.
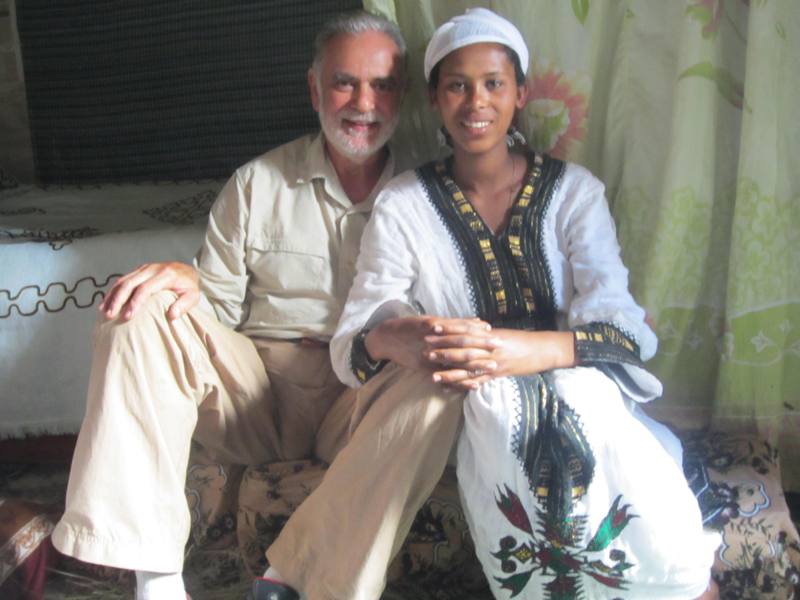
(152, 90)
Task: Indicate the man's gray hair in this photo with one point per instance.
(354, 23)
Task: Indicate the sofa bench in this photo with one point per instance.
(62, 246)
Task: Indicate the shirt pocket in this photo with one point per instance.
(289, 268)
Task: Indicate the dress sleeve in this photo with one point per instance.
(221, 259)
(386, 270)
(609, 326)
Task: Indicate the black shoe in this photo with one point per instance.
(269, 589)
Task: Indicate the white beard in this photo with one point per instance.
(353, 145)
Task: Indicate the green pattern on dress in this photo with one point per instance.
(554, 549)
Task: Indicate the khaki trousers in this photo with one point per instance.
(156, 384)
(339, 542)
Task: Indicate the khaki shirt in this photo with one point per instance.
(281, 245)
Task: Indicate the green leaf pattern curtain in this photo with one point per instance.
(688, 111)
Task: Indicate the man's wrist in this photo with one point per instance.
(364, 365)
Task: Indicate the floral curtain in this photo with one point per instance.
(687, 110)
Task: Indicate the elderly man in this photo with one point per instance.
(233, 354)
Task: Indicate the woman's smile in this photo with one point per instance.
(477, 96)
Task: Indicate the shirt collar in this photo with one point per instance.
(318, 166)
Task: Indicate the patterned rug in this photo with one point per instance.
(761, 554)
(31, 499)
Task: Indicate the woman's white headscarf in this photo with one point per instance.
(475, 26)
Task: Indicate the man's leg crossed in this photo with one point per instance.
(338, 544)
(150, 378)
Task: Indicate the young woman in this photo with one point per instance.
(500, 271)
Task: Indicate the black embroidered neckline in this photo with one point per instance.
(508, 272)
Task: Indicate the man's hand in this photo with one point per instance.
(407, 341)
(130, 291)
(516, 352)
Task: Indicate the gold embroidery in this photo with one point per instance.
(530, 304)
(514, 235)
(607, 334)
(577, 491)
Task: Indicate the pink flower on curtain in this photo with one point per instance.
(708, 14)
(556, 112)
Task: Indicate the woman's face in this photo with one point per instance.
(477, 96)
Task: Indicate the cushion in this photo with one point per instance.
(437, 559)
(742, 497)
(25, 550)
(736, 478)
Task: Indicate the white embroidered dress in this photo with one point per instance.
(631, 527)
